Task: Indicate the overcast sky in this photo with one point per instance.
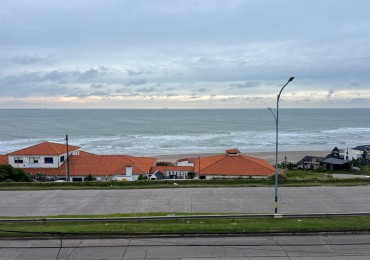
(184, 53)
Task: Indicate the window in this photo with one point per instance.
(62, 158)
(18, 159)
(34, 159)
(48, 160)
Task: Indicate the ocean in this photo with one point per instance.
(169, 131)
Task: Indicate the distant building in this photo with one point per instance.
(170, 172)
(309, 163)
(335, 153)
(360, 152)
(336, 164)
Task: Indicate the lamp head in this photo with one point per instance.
(290, 79)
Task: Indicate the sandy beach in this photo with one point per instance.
(291, 156)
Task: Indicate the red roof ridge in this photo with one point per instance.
(258, 161)
(223, 156)
(48, 143)
(39, 149)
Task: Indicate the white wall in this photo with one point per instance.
(27, 160)
(354, 154)
(185, 163)
(41, 162)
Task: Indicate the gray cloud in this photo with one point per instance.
(123, 90)
(138, 72)
(136, 82)
(250, 84)
(97, 86)
(89, 74)
(330, 93)
(146, 90)
(100, 93)
(52, 76)
(359, 100)
(31, 59)
(202, 90)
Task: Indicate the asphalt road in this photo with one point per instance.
(308, 247)
(232, 200)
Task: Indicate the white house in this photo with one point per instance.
(43, 155)
(356, 152)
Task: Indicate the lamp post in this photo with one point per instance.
(277, 142)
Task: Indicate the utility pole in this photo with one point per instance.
(199, 167)
(67, 158)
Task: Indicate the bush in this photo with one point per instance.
(142, 177)
(191, 175)
(281, 178)
(8, 173)
(89, 178)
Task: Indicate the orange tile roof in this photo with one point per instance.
(99, 165)
(60, 172)
(83, 153)
(154, 169)
(4, 159)
(45, 148)
(239, 165)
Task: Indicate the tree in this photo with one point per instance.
(142, 177)
(163, 163)
(9, 173)
(89, 178)
(191, 175)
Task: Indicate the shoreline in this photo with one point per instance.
(291, 156)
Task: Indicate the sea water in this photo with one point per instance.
(168, 131)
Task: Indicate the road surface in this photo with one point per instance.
(308, 247)
(198, 200)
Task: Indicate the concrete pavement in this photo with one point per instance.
(231, 200)
(308, 247)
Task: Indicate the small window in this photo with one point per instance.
(48, 160)
(62, 158)
(34, 159)
(18, 159)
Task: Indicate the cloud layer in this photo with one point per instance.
(184, 54)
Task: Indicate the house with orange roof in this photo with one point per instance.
(232, 164)
(50, 158)
(42, 155)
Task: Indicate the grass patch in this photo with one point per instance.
(295, 178)
(211, 226)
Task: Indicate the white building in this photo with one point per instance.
(43, 155)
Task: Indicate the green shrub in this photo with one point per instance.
(8, 173)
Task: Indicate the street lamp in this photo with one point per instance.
(277, 143)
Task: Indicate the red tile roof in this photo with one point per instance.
(101, 165)
(154, 169)
(239, 165)
(45, 148)
(4, 159)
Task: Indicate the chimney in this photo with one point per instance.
(128, 170)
